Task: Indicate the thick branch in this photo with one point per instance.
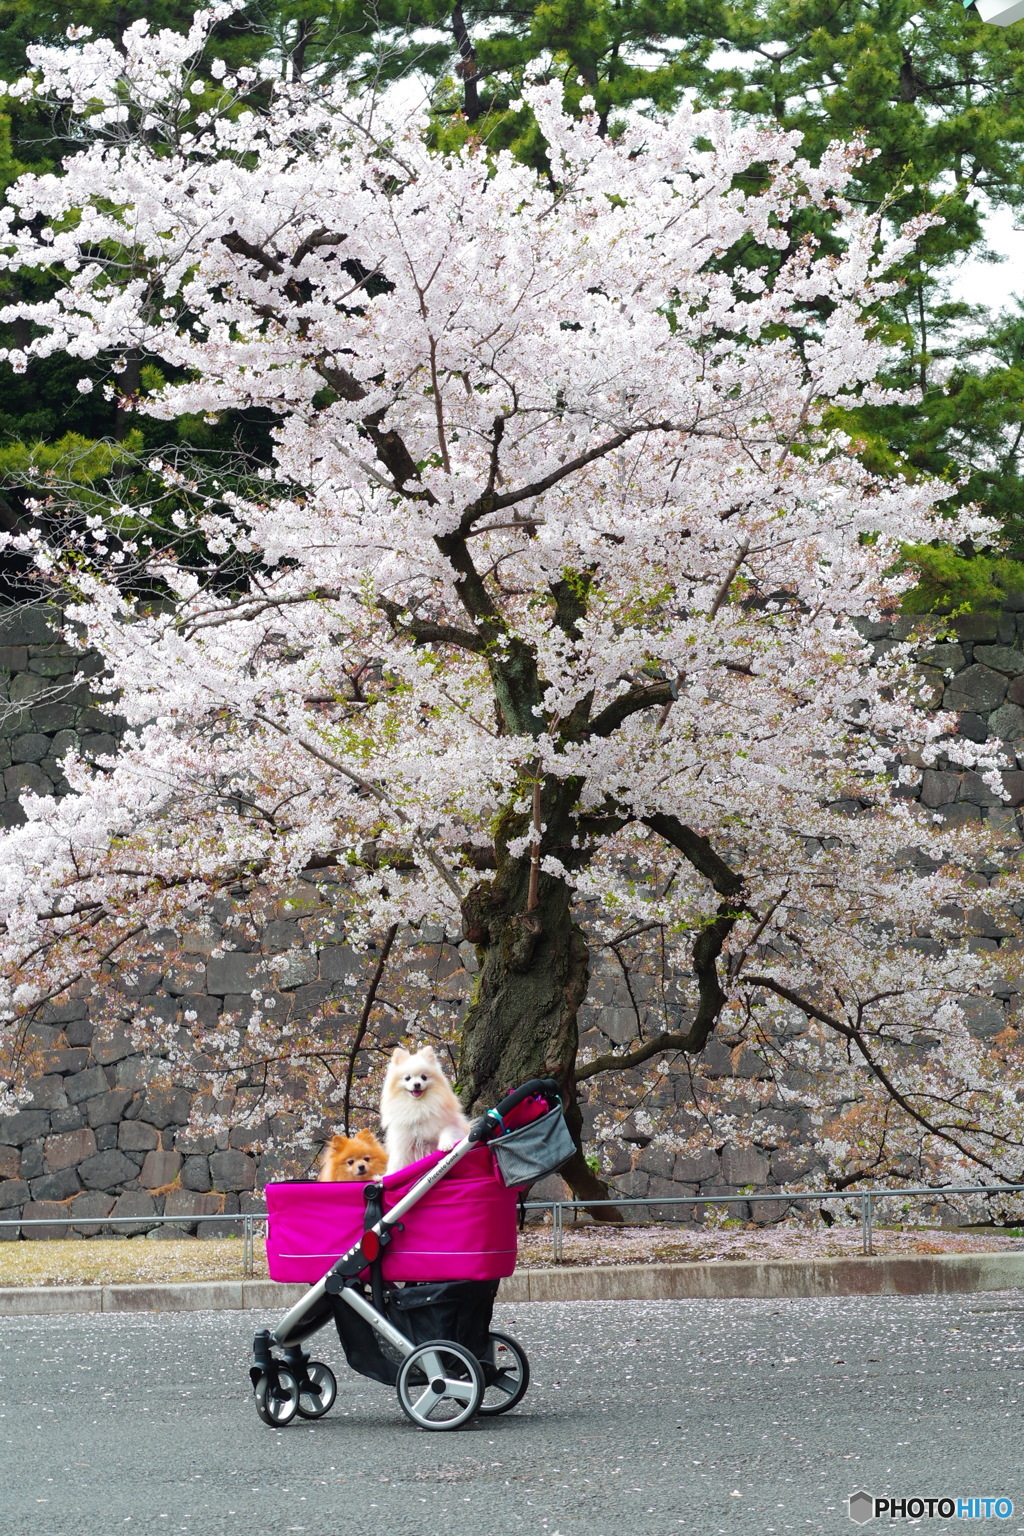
(251, 608)
(315, 242)
(472, 590)
(612, 1061)
(729, 578)
(710, 995)
(239, 246)
(611, 717)
(710, 998)
(393, 454)
(426, 632)
(698, 851)
(597, 824)
(341, 381)
(513, 666)
(711, 940)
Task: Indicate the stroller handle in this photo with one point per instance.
(490, 1124)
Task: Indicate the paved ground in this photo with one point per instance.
(748, 1417)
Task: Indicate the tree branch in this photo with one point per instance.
(848, 1032)
(611, 1062)
(729, 578)
(341, 381)
(426, 632)
(644, 697)
(249, 609)
(364, 1019)
(710, 999)
(472, 591)
(315, 242)
(491, 503)
(711, 940)
(239, 246)
(467, 68)
(698, 851)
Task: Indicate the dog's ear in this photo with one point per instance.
(428, 1051)
(398, 1055)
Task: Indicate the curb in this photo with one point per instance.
(915, 1274)
(196, 1296)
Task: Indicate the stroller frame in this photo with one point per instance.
(441, 1384)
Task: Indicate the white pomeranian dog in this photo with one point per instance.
(418, 1110)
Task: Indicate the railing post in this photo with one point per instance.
(866, 1245)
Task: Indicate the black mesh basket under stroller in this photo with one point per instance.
(429, 1338)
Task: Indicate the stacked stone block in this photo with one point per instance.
(46, 708)
(980, 674)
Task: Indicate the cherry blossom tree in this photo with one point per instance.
(541, 626)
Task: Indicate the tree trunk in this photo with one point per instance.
(467, 67)
(131, 380)
(534, 972)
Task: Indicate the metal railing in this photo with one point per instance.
(558, 1208)
(248, 1228)
(866, 1197)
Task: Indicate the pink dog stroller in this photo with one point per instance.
(408, 1268)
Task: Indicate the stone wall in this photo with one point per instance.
(105, 1135)
(986, 660)
(46, 708)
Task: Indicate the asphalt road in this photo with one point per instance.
(749, 1417)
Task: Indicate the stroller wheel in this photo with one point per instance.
(506, 1374)
(277, 1398)
(317, 1398)
(440, 1385)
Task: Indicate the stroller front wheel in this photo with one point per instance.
(440, 1385)
(277, 1397)
(506, 1374)
(317, 1394)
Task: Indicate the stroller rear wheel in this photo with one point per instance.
(277, 1397)
(440, 1385)
(318, 1391)
(506, 1374)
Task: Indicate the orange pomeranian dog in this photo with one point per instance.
(353, 1159)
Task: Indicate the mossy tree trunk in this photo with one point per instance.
(534, 971)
